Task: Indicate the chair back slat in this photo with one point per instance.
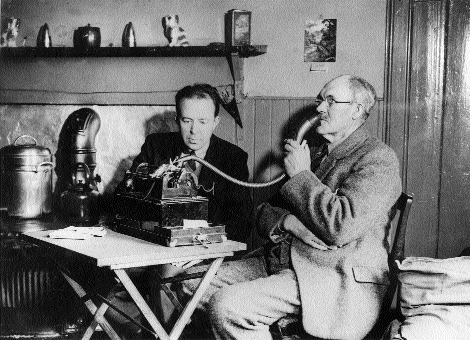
(403, 207)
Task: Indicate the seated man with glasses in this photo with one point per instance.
(328, 226)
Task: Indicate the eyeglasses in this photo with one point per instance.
(330, 101)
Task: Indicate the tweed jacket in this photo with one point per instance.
(230, 204)
(344, 207)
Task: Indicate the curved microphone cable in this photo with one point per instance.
(306, 125)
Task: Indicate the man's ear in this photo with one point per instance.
(178, 121)
(216, 121)
(359, 111)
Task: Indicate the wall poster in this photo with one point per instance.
(320, 40)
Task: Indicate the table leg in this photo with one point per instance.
(192, 304)
(141, 304)
(98, 313)
(94, 323)
(187, 311)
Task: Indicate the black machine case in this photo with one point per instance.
(153, 211)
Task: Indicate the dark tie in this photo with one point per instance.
(318, 157)
(192, 162)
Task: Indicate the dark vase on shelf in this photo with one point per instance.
(87, 37)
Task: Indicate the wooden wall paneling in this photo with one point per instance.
(388, 76)
(382, 121)
(374, 123)
(227, 128)
(262, 148)
(425, 101)
(397, 84)
(279, 121)
(246, 136)
(246, 140)
(454, 231)
(413, 110)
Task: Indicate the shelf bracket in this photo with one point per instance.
(236, 69)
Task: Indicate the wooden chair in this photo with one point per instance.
(291, 327)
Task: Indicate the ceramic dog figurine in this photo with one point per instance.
(10, 32)
(173, 32)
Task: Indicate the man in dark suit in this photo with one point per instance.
(197, 114)
(331, 225)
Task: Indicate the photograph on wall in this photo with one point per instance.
(320, 40)
(242, 28)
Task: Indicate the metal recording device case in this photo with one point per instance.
(154, 202)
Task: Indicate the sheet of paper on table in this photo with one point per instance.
(78, 233)
(193, 224)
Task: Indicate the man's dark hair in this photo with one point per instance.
(199, 91)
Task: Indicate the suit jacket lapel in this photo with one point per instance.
(350, 144)
(206, 177)
(325, 167)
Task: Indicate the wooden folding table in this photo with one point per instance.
(119, 252)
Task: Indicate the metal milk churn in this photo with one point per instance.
(27, 179)
(80, 202)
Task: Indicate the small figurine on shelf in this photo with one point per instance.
(9, 32)
(173, 32)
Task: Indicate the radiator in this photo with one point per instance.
(35, 299)
(24, 288)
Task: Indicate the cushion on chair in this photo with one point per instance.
(435, 298)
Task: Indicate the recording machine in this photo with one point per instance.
(156, 201)
(160, 204)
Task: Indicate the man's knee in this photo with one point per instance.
(226, 303)
(219, 304)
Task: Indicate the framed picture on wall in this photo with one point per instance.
(320, 40)
(237, 27)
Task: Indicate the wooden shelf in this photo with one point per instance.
(156, 52)
(25, 63)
